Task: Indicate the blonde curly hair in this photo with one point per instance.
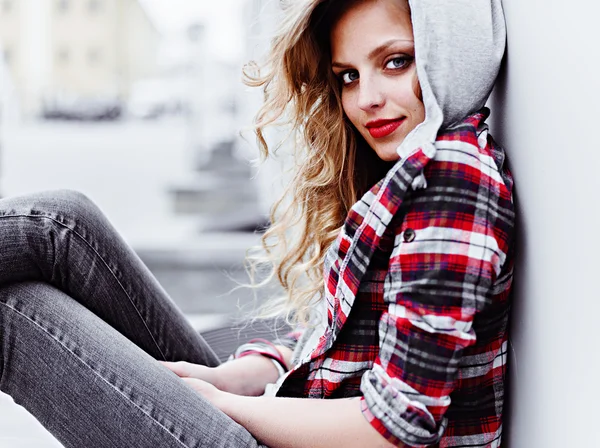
(333, 164)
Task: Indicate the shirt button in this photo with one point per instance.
(409, 235)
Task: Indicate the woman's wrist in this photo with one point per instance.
(248, 375)
(264, 348)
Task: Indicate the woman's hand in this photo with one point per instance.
(243, 376)
(204, 380)
(187, 370)
(206, 389)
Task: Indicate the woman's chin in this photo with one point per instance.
(387, 154)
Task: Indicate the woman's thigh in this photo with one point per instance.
(62, 238)
(91, 386)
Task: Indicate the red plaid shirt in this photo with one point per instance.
(417, 287)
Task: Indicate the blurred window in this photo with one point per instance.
(94, 5)
(63, 55)
(94, 55)
(62, 5)
(6, 6)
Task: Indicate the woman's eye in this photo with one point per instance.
(396, 63)
(349, 77)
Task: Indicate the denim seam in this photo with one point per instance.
(94, 371)
(105, 264)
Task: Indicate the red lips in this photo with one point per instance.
(383, 128)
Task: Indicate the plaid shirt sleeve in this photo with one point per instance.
(447, 254)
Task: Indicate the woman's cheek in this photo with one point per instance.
(348, 105)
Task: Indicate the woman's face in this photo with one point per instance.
(372, 49)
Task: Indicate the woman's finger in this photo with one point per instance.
(180, 368)
(204, 388)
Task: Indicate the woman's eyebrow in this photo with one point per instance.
(377, 51)
(387, 44)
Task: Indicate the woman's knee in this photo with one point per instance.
(27, 219)
(67, 200)
(30, 292)
(37, 303)
(64, 205)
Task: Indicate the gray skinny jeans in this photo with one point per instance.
(82, 323)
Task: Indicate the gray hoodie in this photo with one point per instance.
(459, 46)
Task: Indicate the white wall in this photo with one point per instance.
(546, 115)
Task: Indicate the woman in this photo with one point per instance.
(402, 201)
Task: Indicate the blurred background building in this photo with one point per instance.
(77, 56)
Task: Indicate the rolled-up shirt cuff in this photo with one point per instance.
(397, 418)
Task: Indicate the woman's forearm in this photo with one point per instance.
(303, 422)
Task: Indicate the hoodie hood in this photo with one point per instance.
(459, 46)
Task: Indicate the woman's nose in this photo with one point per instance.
(370, 95)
